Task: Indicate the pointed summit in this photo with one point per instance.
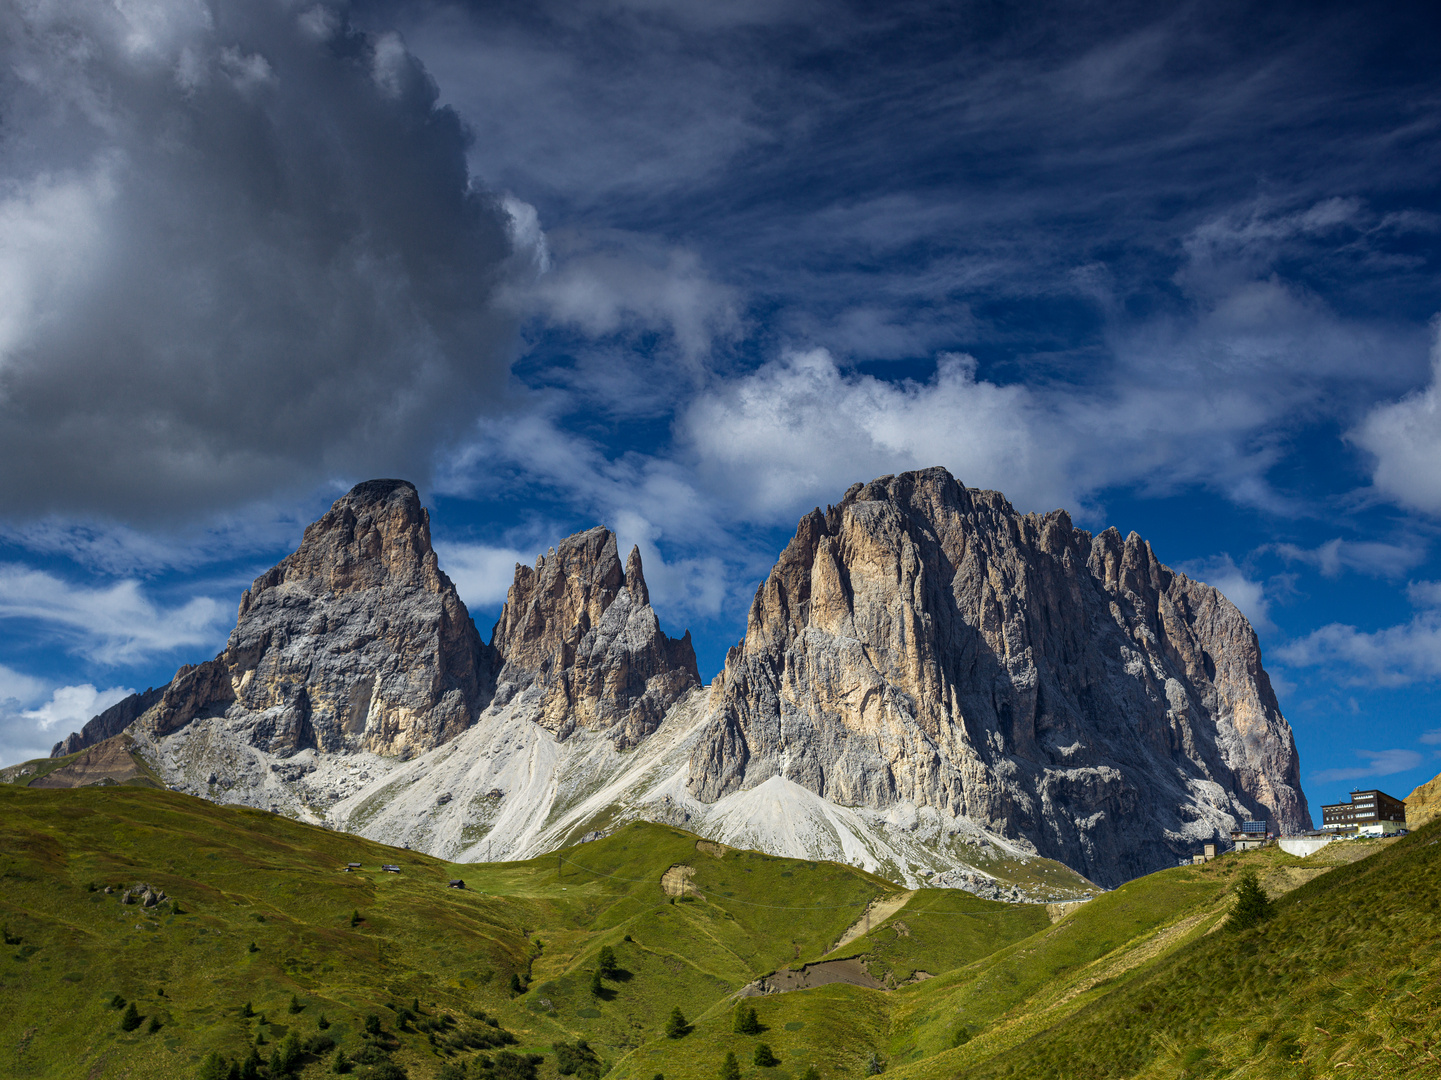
(356, 641)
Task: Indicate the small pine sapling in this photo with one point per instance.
(247, 1010)
(131, 1019)
(154, 1025)
(676, 1026)
(254, 947)
(730, 1068)
(597, 987)
(116, 1002)
(764, 1058)
(811, 1073)
(322, 1023)
(372, 1024)
(295, 1005)
(606, 960)
(355, 917)
(515, 987)
(339, 1063)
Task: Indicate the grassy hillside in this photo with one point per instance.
(1142, 981)
(266, 913)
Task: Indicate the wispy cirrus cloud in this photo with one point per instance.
(1371, 763)
(112, 624)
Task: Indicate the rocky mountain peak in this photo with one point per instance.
(923, 643)
(375, 536)
(582, 645)
(355, 641)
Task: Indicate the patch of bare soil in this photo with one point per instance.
(852, 971)
(877, 912)
(108, 762)
(677, 881)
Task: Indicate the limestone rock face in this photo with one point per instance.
(581, 645)
(923, 643)
(356, 641)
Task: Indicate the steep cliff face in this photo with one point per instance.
(922, 643)
(356, 641)
(581, 645)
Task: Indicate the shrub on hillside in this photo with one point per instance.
(506, 1066)
(577, 1059)
(372, 1024)
(295, 1005)
(131, 1019)
(730, 1068)
(597, 988)
(764, 1058)
(339, 1063)
(214, 1067)
(811, 1073)
(606, 960)
(1252, 904)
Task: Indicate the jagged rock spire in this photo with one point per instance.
(580, 641)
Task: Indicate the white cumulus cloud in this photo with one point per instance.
(1405, 438)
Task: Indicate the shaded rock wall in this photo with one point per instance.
(109, 723)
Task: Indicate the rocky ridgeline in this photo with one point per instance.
(920, 653)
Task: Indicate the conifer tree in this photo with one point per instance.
(295, 1005)
(250, 1067)
(1252, 904)
(730, 1068)
(322, 1023)
(676, 1026)
(131, 1020)
(596, 986)
(607, 962)
(746, 1021)
(212, 1068)
(339, 1063)
(811, 1073)
(764, 1058)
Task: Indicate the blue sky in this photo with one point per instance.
(688, 270)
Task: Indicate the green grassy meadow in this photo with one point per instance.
(1141, 981)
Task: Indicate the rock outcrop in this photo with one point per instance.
(924, 644)
(108, 724)
(357, 641)
(579, 639)
(1424, 804)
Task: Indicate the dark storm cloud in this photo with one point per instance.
(240, 252)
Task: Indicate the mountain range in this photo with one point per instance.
(931, 686)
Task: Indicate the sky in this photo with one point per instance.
(688, 270)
